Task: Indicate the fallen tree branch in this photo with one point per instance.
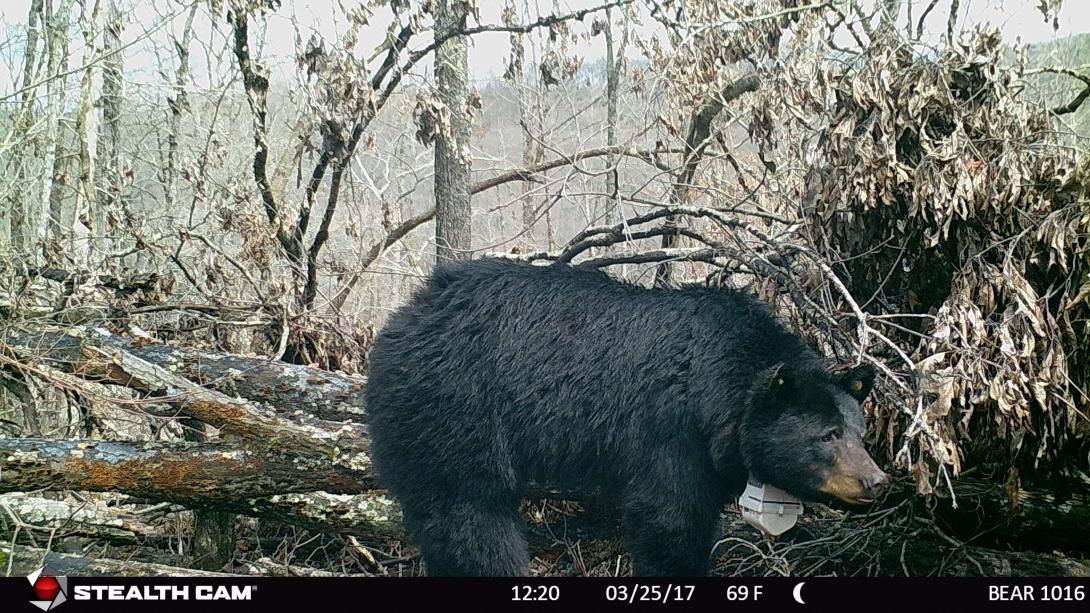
(372, 515)
(24, 560)
(290, 388)
(60, 518)
(343, 443)
(205, 475)
(121, 284)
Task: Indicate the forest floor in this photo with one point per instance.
(903, 536)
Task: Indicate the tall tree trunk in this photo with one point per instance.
(453, 215)
(108, 154)
(177, 103)
(696, 141)
(30, 219)
(13, 200)
(61, 217)
(613, 203)
(532, 152)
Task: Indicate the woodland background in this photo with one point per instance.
(207, 208)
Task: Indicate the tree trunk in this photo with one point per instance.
(213, 539)
(695, 143)
(62, 216)
(178, 103)
(213, 545)
(532, 124)
(106, 204)
(613, 203)
(13, 201)
(453, 214)
(28, 223)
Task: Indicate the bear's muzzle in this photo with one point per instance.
(855, 478)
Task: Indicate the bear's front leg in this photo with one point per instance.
(670, 530)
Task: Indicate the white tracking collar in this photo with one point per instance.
(768, 508)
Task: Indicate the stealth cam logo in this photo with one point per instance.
(50, 588)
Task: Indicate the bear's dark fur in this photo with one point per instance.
(499, 374)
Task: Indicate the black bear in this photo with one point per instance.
(499, 374)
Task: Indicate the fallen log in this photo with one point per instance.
(827, 544)
(372, 516)
(252, 480)
(314, 493)
(61, 518)
(25, 560)
(1033, 518)
(343, 443)
(306, 455)
(972, 561)
(204, 475)
(268, 567)
(290, 389)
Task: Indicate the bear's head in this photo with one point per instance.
(802, 432)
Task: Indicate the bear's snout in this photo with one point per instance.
(854, 477)
(877, 484)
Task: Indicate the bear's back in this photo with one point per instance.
(567, 366)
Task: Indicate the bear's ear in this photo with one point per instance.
(857, 381)
(775, 382)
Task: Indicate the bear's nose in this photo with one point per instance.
(876, 484)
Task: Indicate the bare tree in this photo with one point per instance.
(52, 182)
(696, 142)
(612, 78)
(453, 213)
(14, 212)
(106, 206)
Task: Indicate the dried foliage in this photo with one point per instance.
(930, 218)
(949, 197)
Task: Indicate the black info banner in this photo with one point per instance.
(50, 591)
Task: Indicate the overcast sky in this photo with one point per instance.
(1017, 19)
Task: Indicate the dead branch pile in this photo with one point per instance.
(956, 217)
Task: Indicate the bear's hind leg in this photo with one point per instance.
(471, 539)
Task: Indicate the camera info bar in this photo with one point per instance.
(50, 591)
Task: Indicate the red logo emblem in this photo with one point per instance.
(50, 588)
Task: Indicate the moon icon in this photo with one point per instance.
(797, 592)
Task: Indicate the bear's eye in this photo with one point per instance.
(830, 435)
